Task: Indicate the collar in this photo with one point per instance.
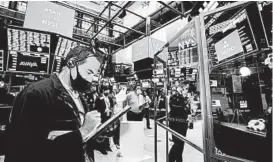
(72, 92)
(57, 83)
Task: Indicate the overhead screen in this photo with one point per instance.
(28, 51)
(48, 16)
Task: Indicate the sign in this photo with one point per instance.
(183, 50)
(229, 46)
(213, 83)
(216, 103)
(27, 63)
(146, 48)
(48, 16)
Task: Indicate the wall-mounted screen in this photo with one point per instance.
(28, 51)
(28, 62)
(28, 41)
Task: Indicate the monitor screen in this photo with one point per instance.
(23, 40)
(27, 62)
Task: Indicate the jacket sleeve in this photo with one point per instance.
(30, 135)
(99, 106)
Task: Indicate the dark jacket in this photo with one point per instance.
(40, 108)
(179, 107)
(101, 106)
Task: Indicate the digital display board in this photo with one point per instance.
(64, 45)
(28, 51)
(28, 62)
(28, 41)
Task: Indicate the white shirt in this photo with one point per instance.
(147, 100)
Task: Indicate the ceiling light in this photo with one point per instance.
(245, 71)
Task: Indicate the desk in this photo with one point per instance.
(236, 140)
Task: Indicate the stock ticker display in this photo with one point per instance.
(28, 51)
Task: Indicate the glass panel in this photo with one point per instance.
(240, 73)
(180, 84)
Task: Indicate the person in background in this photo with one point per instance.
(104, 104)
(179, 111)
(161, 105)
(147, 102)
(120, 97)
(44, 108)
(135, 100)
(91, 97)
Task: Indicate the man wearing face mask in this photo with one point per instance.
(179, 111)
(50, 121)
(136, 101)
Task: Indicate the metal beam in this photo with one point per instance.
(93, 15)
(129, 11)
(139, 32)
(171, 8)
(129, 43)
(99, 40)
(79, 9)
(99, 25)
(105, 25)
(179, 136)
(99, 15)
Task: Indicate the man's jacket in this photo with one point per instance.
(39, 109)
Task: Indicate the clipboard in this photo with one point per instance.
(106, 124)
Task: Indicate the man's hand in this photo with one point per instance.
(91, 122)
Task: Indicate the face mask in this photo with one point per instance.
(79, 83)
(106, 93)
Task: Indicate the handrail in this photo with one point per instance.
(162, 118)
(179, 136)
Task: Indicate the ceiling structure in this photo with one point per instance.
(113, 18)
(110, 11)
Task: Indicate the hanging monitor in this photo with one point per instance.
(28, 51)
(51, 17)
(28, 62)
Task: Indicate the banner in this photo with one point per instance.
(48, 16)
